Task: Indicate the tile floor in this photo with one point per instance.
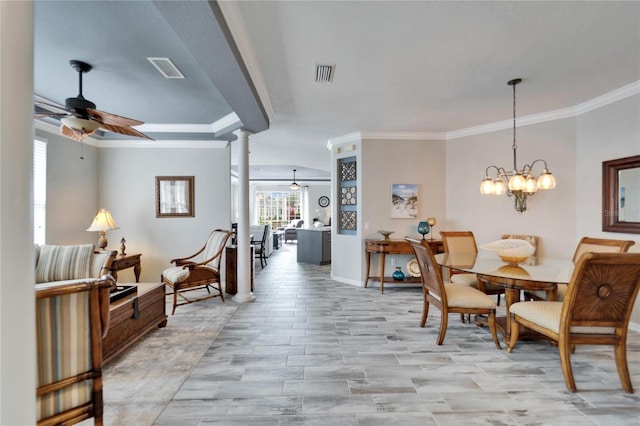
(312, 351)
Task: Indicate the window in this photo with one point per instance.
(277, 208)
(39, 191)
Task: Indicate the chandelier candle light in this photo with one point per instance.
(520, 182)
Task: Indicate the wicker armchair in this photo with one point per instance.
(189, 274)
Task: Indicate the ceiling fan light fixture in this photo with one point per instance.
(80, 124)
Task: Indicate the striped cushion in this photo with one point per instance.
(97, 262)
(177, 274)
(64, 348)
(547, 315)
(214, 244)
(463, 296)
(58, 263)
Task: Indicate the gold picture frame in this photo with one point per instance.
(174, 196)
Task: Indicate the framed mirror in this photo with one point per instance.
(174, 196)
(621, 195)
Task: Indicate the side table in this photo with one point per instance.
(126, 261)
(382, 247)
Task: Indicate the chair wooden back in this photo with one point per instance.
(215, 244)
(263, 241)
(601, 293)
(430, 272)
(601, 245)
(459, 242)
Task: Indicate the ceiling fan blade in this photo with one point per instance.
(113, 119)
(50, 114)
(124, 130)
(50, 107)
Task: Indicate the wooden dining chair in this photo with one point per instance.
(596, 311)
(260, 247)
(449, 297)
(586, 244)
(456, 242)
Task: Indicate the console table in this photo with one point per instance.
(383, 247)
(126, 261)
(132, 317)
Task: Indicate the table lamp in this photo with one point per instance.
(102, 223)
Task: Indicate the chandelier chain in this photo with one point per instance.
(514, 146)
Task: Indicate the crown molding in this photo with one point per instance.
(211, 144)
(405, 135)
(608, 98)
(340, 140)
(228, 120)
(558, 114)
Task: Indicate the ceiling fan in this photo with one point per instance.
(80, 118)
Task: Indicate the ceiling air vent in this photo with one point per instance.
(166, 67)
(324, 73)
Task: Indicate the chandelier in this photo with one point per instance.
(519, 182)
(294, 185)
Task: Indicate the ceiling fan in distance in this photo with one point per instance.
(80, 118)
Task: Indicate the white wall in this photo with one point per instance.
(314, 192)
(381, 163)
(127, 189)
(72, 190)
(604, 134)
(550, 214)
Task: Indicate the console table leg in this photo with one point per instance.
(136, 271)
(368, 259)
(382, 258)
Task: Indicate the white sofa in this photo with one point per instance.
(257, 231)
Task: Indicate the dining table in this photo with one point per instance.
(535, 273)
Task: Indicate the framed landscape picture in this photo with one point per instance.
(404, 201)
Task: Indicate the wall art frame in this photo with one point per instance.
(175, 196)
(404, 201)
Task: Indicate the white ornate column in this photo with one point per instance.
(243, 294)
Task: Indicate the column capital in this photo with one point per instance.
(242, 133)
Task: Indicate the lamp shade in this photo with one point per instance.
(103, 222)
(77, 123)
(546, 180)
